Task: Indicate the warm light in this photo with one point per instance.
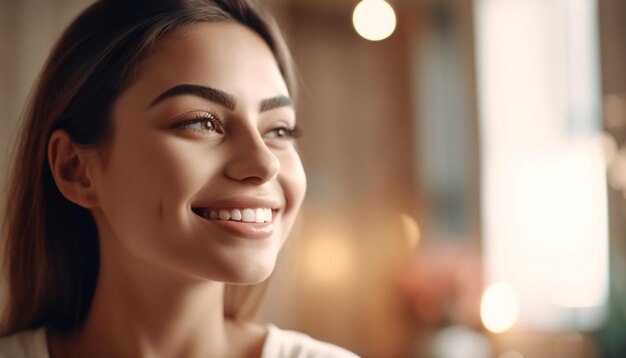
(328, 260)
(544, 159)
(411, 230)
(374, 20)
(499, 307)
(563, 232)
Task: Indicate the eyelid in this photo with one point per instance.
(198, 117)
(293, 132)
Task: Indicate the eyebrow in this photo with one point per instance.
(218, 96)
(275, 102)
(212, 94)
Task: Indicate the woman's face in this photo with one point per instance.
(203, 176)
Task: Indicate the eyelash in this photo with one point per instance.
(289, 133)
(218, 126)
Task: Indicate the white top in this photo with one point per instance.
(278, 344)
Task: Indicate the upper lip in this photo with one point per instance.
(241, 202)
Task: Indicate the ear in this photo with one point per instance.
(69, 166)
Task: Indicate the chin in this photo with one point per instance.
(249, 273)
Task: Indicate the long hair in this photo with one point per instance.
(51, 253)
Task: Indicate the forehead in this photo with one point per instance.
(228, 56)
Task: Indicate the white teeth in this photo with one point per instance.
(258, 215)
(247, 215)
(224, 214)
(235, 214)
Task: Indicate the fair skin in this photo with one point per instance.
(164, 257)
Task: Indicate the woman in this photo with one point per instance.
(156, 171)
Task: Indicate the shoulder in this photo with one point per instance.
(24, 344)
(291, 344)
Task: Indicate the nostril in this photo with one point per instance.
(253, 164)
(255, 180)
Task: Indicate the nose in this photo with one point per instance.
(252, 161)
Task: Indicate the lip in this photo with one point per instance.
(246, 230)
(252, 231)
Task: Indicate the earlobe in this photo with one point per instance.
(68, 164)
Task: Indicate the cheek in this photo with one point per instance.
(148, 183)
(293, 180)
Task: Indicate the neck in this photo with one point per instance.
(141, 310)
(156, 319)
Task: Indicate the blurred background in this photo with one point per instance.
(466, 172)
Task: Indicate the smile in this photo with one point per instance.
(249, 223)
(249, 215)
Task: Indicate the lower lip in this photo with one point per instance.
(247, 230)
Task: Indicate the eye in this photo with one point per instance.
(202, 122)
(284, 132)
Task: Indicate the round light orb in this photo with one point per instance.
(374, 20)
(499, 307)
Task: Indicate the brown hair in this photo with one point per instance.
(51, 252)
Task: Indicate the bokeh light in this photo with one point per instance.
(411, 230)
(328, 260)
(374, 20)
(499, 307)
